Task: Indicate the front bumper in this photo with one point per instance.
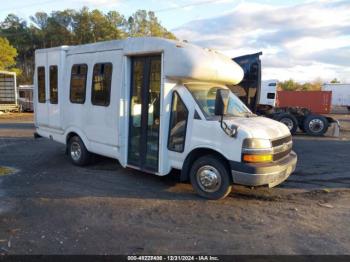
(264, 174)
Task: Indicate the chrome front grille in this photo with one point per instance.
(281, 147)
(281, 141)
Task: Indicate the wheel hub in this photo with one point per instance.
(208, 178)
(316, 125)
(288, 122)
(75, 151)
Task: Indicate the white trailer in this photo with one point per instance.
(8, 91)
(157, 105)
(340, 94)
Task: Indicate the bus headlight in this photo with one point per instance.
(257, 150)
(256, 143)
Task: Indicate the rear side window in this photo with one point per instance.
(178, 124)
(101, 84)
(53, 85)
(78, 83)
(41, 84)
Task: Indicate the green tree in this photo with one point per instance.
(18, 34)
(7, 55)
(72, 27)
(106, 27)
(118, 22)
(82, 27)
(289, 85)
(335, 81)
(144, 23)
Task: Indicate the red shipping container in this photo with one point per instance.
(316, 101)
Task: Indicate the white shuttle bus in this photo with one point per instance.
(157, 105)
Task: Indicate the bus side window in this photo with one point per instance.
(41, 84)
(53, 85)
(78, 83)
(101, 84)
(178, 124)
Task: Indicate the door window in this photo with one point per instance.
(135, 112)
(153, 119)
(145, 113)
(178, 124)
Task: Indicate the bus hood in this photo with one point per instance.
(260, 127)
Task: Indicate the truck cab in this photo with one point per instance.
(260, 96)
(257, 150)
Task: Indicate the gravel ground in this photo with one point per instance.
(49, 206)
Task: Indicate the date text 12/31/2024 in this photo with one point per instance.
(173, 258)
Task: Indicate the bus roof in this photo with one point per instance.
(182, 61)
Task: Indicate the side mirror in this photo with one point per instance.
(221, 102)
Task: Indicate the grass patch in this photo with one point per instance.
(5, 171)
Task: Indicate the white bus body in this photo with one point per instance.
(150, 102)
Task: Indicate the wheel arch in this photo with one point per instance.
(75, 132)
(194, 155)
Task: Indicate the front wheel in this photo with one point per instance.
(210, 178)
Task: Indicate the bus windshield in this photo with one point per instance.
(205, 96)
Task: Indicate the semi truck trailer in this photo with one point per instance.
(260, 97)
(8, 92)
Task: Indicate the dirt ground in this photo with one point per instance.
(49, 206)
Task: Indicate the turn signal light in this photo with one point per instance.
(257, 158)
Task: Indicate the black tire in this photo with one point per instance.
(212, 164)
(289, 120)
(315, 125)
(83, 157)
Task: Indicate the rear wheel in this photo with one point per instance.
(289, 120)
(315, 125)
(210, 178)
(77, 152)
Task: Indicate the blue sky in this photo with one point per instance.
(300, 39)
(171, 13)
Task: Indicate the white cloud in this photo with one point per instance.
(303, 41)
